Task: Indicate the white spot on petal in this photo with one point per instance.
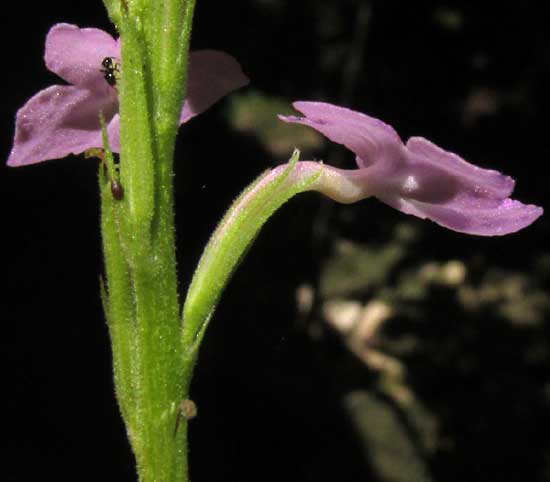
(410, 184)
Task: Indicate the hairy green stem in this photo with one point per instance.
(141, 292)
(242, 223)
(233, 236)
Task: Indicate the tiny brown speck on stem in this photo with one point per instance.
(188, 409)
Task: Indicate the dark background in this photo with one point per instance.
(274, 385)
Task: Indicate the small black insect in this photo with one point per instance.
(110, 70)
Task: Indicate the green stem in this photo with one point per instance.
(118, 306)
(242, 223)
(141, 296)
(232, 238)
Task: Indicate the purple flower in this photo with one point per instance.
(418, 177)
(64, 119)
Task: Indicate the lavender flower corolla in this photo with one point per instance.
(417, 178)
(64, 119)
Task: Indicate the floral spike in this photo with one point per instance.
(418, 177)
(63, 119)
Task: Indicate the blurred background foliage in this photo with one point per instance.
(354, 342)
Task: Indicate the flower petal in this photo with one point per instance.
(113, 131)
(75, 54)
(212, 75)
(420, 178)
(508, 216)
(58, 121)
(370, 139)
(483, 182)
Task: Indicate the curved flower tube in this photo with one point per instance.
(64, 119)
(417, 178)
